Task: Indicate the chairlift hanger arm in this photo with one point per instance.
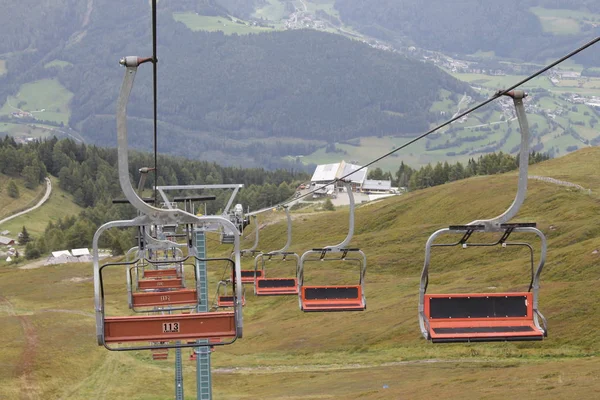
(289, 233)
(255, 245)
(494, 223)
(348, 238)
(230, 202)
(156, 215)
(149, 215)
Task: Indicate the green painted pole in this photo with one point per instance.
(203, 376)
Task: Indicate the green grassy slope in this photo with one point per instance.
(9, 205)
(59, 205)
(377, 354)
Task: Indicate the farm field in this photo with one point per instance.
(375, 354)
(558, 124)
(273, 11)
(28, 130)
(564, 22)
(57, 63)
(47, 95)
(212, 24)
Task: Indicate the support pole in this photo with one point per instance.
(203, 375)
(178, 375)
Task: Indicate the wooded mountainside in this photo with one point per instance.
(89, 173)
(226, 94)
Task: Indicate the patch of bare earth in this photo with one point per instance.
(24, 369)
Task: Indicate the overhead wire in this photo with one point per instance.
(496, 95)
(155, 96)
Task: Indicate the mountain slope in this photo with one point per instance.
(227, 94)
(376, 354)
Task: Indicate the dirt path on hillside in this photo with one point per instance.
(334, 367)
(559, 182)
(75, 312)
(38, 205)
(24, 369)
(33, 265)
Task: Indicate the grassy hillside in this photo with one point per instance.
(46, 99)
(217, 23)
(59, 205)
(48, 327)
(564, 22)
(27, 197)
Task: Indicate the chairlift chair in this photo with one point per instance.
(160, 354)
(334, 297)
(485, 317)
(162, 295)
(121, 332)
(272, 286)
(226, 297)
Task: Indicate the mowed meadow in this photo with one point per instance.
(49, 348)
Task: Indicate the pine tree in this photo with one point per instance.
(328, 205)
(24, 236)
(13, 190)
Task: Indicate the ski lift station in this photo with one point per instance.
(327, 173)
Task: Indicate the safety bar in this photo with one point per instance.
(225, 293)
(318, 253)
(268, 256)
(289, 234)
(361, 260)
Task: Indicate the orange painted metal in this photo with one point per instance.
(282, 290)
(227, 301)
(175, 283)
(489, 322)
(351, 304)
(248, 275)
(160, 273)
(173, 297)
(162, 328)
(160, 354)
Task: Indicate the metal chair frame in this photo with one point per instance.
(498, 224)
